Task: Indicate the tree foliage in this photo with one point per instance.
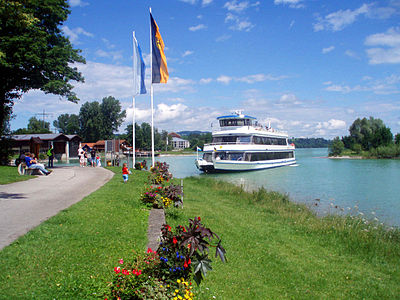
(100, 121)
(143, 137)
(67, 124)
(336, 148)
(33, 52)
(310, 142)
(369, 133)
(198, 139)
(112, 116)
(34, 126)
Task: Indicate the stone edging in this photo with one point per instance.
(156, 220)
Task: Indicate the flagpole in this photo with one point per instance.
(133, 104)
(151, 96)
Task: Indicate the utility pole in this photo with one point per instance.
(44, 114)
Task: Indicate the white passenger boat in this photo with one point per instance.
(241, 144)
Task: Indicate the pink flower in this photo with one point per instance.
(121, 261)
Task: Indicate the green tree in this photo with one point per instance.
(397, 139)
(100, 121)
(90, 122)
(369, 132)
(67, 124)
(34, 54)
(336, 147)
(34, 126)
(112, 117)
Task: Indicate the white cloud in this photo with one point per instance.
(223, 37)
(187, 52)
(114, 55)
(250, 78)
(289, 99)
(198, 27)
(351, 54)
(206, 2)
(291, 3)
(81, 3)
(236, 6)
(73, 34)
(339, 20)
(389, 50)
(189, 1)
(238, 24)
(387, 86)
(224, 79)
(328, 49)
(205, 80)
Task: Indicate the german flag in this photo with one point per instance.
(159, 61)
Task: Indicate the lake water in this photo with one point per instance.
(368, 186)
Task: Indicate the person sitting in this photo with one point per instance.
(32, 163)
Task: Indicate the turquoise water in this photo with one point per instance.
(371, 187)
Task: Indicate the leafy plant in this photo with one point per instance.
(188, 247)
(175, 193)
(141, 165)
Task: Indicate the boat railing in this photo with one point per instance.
(229, 143)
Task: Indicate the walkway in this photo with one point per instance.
(26, 204)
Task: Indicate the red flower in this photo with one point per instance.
(174, 240)
(168, 227)
(189, 261)
(199, 218)
(185, 265)
(117, 270)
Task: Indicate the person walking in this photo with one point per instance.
(50, 154)
(125, 172)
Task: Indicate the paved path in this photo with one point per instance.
(26, 204)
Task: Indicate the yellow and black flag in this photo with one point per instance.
(159, 61)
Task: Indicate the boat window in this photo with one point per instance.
(260, 156)
(234, 155)
(207, 157)
(231, 139)
(235, 122)
(243, 139)
(269, 140)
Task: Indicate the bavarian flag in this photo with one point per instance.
(159, 62)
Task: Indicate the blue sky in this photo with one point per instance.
(310, 67)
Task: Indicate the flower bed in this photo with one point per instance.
(167, 273)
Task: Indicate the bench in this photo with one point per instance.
(24, 170)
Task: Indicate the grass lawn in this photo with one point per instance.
(280, 250)
(10, 174)
(72, 255)
(275, 249)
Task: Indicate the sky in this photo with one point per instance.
(309, 67)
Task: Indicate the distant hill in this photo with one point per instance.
(192, 132)
(310, 142)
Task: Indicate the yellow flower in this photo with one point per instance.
(178, 281)
(177, 291)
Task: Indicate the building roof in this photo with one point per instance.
(175, 139)
(42, 136)
(174, 134)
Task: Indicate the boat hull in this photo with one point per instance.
(237, 166)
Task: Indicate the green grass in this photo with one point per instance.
(10, 174)
(275, 249)
(72, 255)
(279, 250)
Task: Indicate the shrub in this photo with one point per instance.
(141, 165)
(162, 196)
(159, 173)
